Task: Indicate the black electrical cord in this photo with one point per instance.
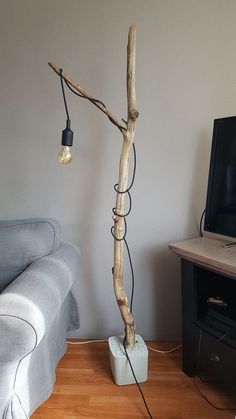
(84, 97)
(140, 390)
(64, 95)
(131, 265)
(115, 186)
(91, 99)
(195, 381)
(125, 224)
(200, 225)
(127, 191)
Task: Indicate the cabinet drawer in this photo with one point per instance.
(216, 360)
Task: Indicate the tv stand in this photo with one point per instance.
(208, 307)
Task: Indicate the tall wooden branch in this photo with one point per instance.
(128, 138)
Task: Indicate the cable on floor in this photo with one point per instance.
(105, 340)
(137, 383)
(86, 341)
(168, 351)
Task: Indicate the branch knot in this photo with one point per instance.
(133, 113)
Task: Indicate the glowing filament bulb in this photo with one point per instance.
(64, 155)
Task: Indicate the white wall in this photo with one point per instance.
(186, 77)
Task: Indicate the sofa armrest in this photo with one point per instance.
(31, 302)
(18, 338)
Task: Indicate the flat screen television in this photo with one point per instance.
(220, 214)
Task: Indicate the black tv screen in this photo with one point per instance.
(220, 214)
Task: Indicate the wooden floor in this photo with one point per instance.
(84, 389)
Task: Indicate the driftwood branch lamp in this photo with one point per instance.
(119, 229)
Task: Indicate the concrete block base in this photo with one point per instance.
(120, 367)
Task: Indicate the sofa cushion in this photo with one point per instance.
(22, 242)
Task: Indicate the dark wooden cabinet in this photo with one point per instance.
(208, 308)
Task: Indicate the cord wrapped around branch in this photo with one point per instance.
(84, 94)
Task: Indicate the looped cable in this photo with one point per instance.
(124, 235)
(127, 191)
(130, 205)
(84, 97)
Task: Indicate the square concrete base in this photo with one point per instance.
(120, 367)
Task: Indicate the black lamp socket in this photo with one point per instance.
(67, 135)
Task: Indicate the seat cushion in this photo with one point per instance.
(22, 242)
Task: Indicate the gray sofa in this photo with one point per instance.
(37, 309)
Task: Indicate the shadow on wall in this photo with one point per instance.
(166, 293)
(199, 183)
(164, 266)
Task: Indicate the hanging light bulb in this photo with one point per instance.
(64, 155)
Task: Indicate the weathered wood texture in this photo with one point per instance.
(84, 389)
